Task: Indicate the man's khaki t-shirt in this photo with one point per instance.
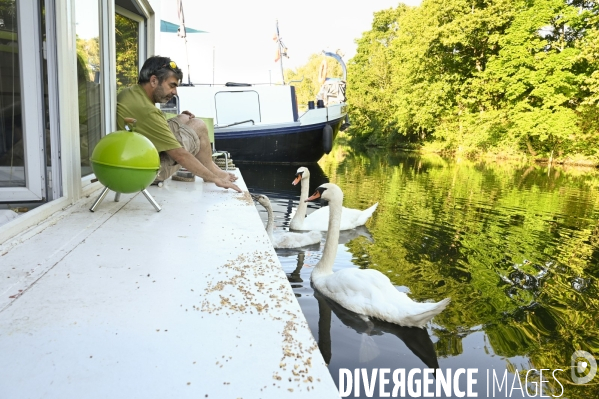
(133, 102)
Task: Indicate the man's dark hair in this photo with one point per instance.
(160, 67)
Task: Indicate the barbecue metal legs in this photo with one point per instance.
(152, 201)
(117, 198)
(100, 198)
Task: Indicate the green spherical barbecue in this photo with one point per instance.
(125, 162)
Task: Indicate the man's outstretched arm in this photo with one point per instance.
(192, 164)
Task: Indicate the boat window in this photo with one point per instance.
(237, 106)
(171, 108)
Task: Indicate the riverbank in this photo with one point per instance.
(475, 154)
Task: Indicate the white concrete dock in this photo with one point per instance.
(127, 302)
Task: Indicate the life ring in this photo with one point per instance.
(327, 138)
(322, 72)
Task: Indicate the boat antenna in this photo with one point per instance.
(281, 51)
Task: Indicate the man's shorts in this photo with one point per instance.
(188, 139)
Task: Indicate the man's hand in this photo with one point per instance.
(227, 184)
(191, 116)
(232, 177)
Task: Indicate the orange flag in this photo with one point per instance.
(278, 49)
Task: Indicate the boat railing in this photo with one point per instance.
(235, 124)
(296, 81)
(339, 60)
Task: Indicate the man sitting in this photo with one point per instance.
(182, 141)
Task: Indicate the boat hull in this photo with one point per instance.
(297, 144)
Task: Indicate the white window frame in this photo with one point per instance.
(31, 106)
(107, 74)
(55, 174)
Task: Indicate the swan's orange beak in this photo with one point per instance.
(298, 178)
(314, 196)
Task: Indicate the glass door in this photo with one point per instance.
(22, 106)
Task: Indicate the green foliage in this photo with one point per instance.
(370, 76)
(305, 78)
(589, 63)
(8, 12)
(88, 52)
(127, 57)
(482, 75)
(533, 80)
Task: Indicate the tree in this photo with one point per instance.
(480, 75)
(89, 51)
(588, 142)
(8, 13)
(305, 78)
(127, 58)
(370, 74)
(532, 81)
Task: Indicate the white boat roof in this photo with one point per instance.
(127, 302)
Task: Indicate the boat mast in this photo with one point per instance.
(187, 56)
(282, 52)
(182, 32)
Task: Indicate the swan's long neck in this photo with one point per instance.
(300, 212)
(270, 223)
(325, 265)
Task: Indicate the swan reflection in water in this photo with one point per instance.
(416, 339)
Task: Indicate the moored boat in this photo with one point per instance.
(262, 123)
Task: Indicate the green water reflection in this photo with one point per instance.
(515, 246)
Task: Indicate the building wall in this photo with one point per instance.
(73, 186)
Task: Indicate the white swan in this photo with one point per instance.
(285, 239)
(367, 292)
(319, 219)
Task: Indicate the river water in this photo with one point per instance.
(515, 247)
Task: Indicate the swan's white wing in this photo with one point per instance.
(366, 214)
(355, 289)
(317, 220)
(371, 293)
(388, 304)
(350, 218)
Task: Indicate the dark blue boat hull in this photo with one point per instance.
(287, 145)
